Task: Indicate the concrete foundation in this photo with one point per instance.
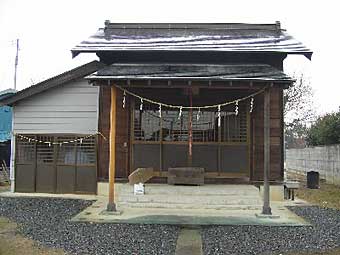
(276, 192)
(189, 217)
(102, 188)
(186, 197)
(181, 205)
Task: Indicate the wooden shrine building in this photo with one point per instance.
(192, 95)
(165, 96)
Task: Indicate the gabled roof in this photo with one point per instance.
(7, 93)
(55, 81)
(227, 37)
(210, 72)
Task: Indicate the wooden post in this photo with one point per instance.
(266, 143)
(111, 206)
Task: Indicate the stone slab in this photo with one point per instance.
(115, 213)
(186, 175)
(189, 242)
(188, 217)
(141, 175)
(266, 216)
(292, 184)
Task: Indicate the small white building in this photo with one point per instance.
(55, 127)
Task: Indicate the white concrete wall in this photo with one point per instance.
(323, 159)
(71, 108)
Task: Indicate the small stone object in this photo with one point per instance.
(289, 189)
(138, 189)
(186, 175)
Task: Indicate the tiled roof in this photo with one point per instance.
(227, 37)
(254, 72)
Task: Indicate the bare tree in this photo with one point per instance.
(298, 101)
(298, 111)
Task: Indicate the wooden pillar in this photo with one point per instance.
(111, 206)
(266, 205)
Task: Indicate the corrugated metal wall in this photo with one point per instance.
(5, 123)
(71, 108)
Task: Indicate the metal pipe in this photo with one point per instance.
(12, 160)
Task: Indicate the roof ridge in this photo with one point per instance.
(227, 26)
(192, 37)
(8, 91)
(67, 76)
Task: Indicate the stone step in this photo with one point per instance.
(188, 206)
(205, 190)
(190, 199)
(218, 197)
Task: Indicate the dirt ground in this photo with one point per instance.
(12, 243)
(328, 195)
(4, 188)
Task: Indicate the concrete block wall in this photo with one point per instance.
(323, 159)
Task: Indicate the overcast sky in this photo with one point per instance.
(49, 29)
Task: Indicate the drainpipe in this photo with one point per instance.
(12, 160)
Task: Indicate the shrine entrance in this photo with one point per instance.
(213, 138)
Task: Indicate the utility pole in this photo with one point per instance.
(16, 64)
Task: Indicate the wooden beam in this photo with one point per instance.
(266, 201)
(111, 206)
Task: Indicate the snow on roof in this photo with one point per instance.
(234, 37)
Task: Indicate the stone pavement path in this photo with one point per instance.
(189, 241)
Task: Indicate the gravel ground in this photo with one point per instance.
(323, 235)
(47, 221)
